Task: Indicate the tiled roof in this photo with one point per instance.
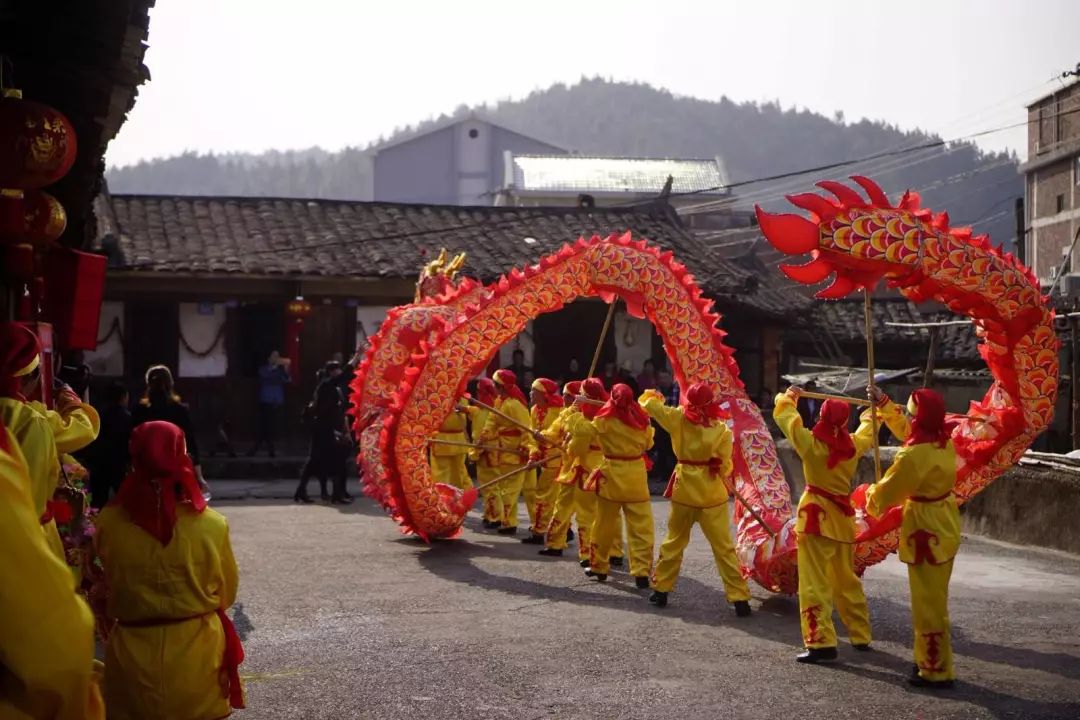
(295, 237)
(577, 174)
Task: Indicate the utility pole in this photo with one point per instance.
(1021, 232)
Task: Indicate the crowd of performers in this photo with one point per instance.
(170, 649)
(581, 457)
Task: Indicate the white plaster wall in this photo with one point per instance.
(108, 359)
(369, 319)
(200, 332)
(633, 341)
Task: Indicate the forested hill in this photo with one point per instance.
(606, 118)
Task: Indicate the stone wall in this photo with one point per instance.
(1026, 505)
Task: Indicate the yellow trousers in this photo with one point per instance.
(717, 529)
(930, 616)
(573, 502)
(528, 489)
(827, 576)
(451, 470)
(639, 535)
(544, 501)
(509, 492)
(489, 495)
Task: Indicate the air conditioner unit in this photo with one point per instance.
(1070, 285)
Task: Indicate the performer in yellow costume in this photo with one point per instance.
(448, 461)
(42, 434)
(921, 478)
(47, 632)
(565, 483)
(513, 440)
(698, 490)
(486, 462)
(623, 432)
(547, 405)
(174, 652)
(826, 524)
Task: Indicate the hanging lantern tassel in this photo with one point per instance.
(296, 311)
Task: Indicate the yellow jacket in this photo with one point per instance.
(42, 434)
(557, 435)
(698, 486)
(620, 470)
(166, 670)
(506, 435)
(818, 514)
(47, 632)
(550, 417)
(452, 429)
(921, 477)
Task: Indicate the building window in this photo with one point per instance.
(473, 133)
(1058, 125)
(1060, 203)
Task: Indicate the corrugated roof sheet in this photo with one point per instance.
(577, 174)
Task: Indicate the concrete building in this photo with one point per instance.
(458, 161)
(1052, 190)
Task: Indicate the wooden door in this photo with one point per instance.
(151, 337)
(328, 330)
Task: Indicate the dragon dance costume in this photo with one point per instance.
(486, 462)
(921, 479)
(622, 431)
(514, 442)
(825, 525)
(547, 406)
(698, 490)
(448, 461)
(42, 434)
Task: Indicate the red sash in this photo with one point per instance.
(841, 501)
(714, 464)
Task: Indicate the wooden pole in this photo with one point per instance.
(869, 328)
(505, 417)
(600, 341)
(931, 355)
(515, 471)
(587, 400)
(841, 398)
(490, 448)
(753, 513)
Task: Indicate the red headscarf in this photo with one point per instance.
(19, 355)
(506, 381)
(593, 388)
(486, 391)
(571, 390)
(928, 425)
(550, 390)
(700, 407)
(624, 406)
(161, 476)
(831, 429)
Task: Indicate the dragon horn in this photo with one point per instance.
(873, 190)
(824, 209)
(843, 193)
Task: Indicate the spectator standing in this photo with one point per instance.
(646, 379)
(808, 407)
(325, 418)
(664, 463)
(160, 402)
(521, 371)
(273, 377)
(107, 457)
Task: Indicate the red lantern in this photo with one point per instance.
(298, 309)
(37, 143)
(31, 216)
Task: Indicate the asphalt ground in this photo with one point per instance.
(343, 617)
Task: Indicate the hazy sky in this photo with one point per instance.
(250, 75)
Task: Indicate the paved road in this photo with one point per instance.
(345, 618)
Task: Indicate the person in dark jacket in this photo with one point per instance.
(160, 402)
(330, 441)
(273, 377)
(107, 457)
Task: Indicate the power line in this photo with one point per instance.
(519, 217)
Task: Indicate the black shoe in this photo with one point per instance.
(508, 531)
(298, 498)
(742, 609)
(583, 563)
(641, 581)
(550, 552)
(914, 670)
(659, 599)
(921, 682)
(533, 539)
(341, 501)
(600, 577)
(490, 524)
(615, 561)
(569, 535)
(865, 647)
(816, 655)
